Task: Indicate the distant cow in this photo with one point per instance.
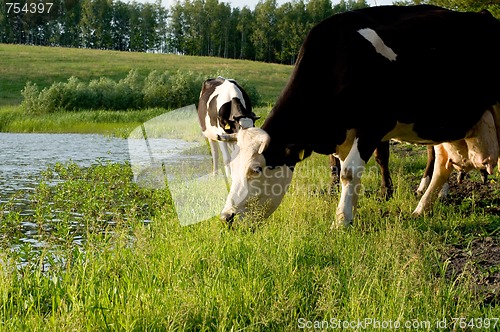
(224, 108)
(364, 77)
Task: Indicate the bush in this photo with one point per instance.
(156, 90)
(30, 98)
(184, 89)
(167, 90)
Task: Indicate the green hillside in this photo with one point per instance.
(46, 65)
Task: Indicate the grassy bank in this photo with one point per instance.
(46, 65)
(111, 123)
(283, 274)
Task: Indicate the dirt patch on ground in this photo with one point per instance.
(476, 263)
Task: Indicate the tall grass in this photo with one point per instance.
(285, 273)
(112, 123)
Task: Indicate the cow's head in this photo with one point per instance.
(256, 186)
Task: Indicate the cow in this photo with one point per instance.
(429, 170)
(368, 76)
(223, 108)
(480, 150)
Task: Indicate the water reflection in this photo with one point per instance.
(24, 156)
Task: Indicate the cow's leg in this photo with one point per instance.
(429, 169)
(226, 157)
(484, 175)
(350, 177)
(439, 178)
(382, 158)
(335, 166)
(215, 155)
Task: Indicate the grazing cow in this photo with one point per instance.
(224, 107)
(369, 75)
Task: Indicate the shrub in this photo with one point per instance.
(30, 94)
(166, 90)
(156, 90)
(184, 89)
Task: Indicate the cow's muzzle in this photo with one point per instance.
(227, 216)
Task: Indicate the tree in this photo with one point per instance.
(293, 24)
(96, 23)
(264, 30)
(244, 27)
(492, 6)
(121, 26)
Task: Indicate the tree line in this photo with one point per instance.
(270, 32)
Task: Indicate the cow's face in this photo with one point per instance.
(256, 188)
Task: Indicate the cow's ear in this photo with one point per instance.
(264, 143)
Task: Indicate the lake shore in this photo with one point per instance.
(109, 123)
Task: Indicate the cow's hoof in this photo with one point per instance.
(417, 213)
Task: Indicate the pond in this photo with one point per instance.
(165, 153)
(23, 157)
(154, 157)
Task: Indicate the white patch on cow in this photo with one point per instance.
(211, 132)
(350, 175)
(439, 178)
(225, 93)
(378, 43)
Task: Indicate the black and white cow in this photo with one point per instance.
(224, 108)
(369, 75)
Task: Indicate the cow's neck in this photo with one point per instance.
(292, 139)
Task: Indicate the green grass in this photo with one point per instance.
(287, 272)
(113, 123)
(46, 65)
(110, 123)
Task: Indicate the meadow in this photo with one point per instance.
(114, 257)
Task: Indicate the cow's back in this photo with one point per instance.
(445, 64)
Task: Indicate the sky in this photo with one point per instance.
(252, 3)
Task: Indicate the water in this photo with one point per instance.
(24, 156)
